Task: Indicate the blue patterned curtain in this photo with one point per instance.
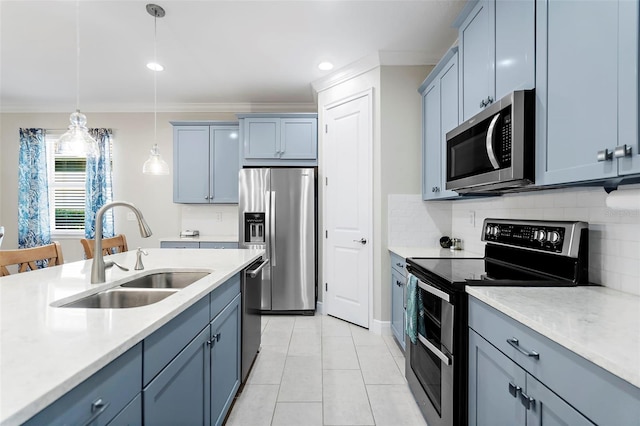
(33, 190)
(99, 189)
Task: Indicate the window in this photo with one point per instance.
(67, 193)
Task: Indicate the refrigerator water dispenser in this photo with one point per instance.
(254, 227)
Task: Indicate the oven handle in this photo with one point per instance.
(439, 293)
(489, 143)
(437, 352)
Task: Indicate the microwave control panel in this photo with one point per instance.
(505, 142)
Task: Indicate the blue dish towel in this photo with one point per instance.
(411, 320)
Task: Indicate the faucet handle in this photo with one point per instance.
(139, 266)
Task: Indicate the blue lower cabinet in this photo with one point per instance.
(101, 397)
(179, 395)
(225, 360)
(131, 415)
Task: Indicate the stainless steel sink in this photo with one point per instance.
(122, 298)
(167, 280)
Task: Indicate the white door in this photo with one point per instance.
(347, 160)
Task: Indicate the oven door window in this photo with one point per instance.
(425, 363)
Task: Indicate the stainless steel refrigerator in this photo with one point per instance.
(277, 208)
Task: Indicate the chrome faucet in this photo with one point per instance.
(99, 266)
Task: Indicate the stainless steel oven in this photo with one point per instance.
(494, 150)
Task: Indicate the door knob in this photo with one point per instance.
(362, 241)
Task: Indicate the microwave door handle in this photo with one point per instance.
(492, 155)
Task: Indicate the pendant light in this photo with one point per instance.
(77, 141)
(155, 165)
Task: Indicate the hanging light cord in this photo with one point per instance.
(77, 55)
(155, 79)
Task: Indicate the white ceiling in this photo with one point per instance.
(218, 55)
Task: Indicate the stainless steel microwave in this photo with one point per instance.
(494, 150)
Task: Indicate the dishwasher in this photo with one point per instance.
(251, 325)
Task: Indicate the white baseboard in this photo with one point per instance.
(319, 308)
(381, 327)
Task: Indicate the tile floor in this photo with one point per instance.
(320, 370)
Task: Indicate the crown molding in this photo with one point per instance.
(182, 107)
(375, 60)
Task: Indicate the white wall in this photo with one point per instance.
(614, 235)
(415, 223)
(133, 137)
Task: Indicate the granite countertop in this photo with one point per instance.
(203, 238)
(46, 351)
(599, 324)
(406, 252)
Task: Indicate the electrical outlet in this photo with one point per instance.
(472, 218)
(131, 216)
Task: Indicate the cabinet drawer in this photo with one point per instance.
(163, 345)
(221, 296)
(131, 415)
(593, 391)
(399, 264)
(179, 244)
(116, 385)
(218, 245)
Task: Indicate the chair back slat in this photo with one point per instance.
(26, 259)
(117, 244)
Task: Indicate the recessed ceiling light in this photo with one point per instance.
(325, 66)
(153, 66)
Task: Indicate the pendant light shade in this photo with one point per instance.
(77, 141)
(155, 165)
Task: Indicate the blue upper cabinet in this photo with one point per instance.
(279, 139)
(439, 115)
(206, 162)
(497, 51)
(587, 90)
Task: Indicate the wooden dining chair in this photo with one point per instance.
(117, 244)
(26, 258)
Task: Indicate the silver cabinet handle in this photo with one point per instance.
(514, 390)
(399, 265)
(483, 103)
(527, 401)
(622, 151)
(516, 344)
(489, 143)
(489, 100)
(399, 283)
(605, 155)
(362, 241)
(97, 408)
(254, 272)
(443, 357)
(206, 198)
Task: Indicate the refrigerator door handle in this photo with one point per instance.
(272, 223)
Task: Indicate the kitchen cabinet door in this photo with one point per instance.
(587, 94)
(225, 360)
(476, 59)
(131, 415)
(261, 137)
(299, 139)
(226, 164)
(397, 306)
(180, 394)
(440, 115)
(548, 409)
(191, 156)
(495, 383)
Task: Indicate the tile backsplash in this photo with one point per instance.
(614, 234)
(211, 220)
(414, 223)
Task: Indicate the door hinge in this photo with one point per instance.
(326, 181)
(326, 128)
(326, 286)
(326, 234)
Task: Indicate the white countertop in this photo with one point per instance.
(203, 238)
(47, 351)
(600, 324)
(406, 252)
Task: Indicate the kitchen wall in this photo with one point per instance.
(133, 137)
(415, 223)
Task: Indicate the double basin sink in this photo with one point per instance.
(140, 291)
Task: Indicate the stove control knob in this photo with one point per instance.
(554, 237)
(493, 230)
(539, 235)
